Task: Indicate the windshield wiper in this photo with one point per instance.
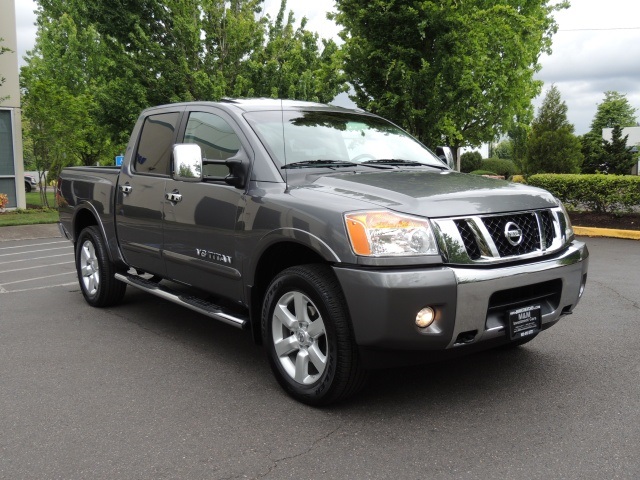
(320, 164)
(402, 163)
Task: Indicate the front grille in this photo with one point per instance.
(469, 239)
(547, 294)
(548, 233)
(528, 225)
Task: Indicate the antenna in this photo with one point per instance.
(284, 146)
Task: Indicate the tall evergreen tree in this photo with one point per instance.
(617, 158)
(552, 146)
(614, 110)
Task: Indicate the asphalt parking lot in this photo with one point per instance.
(150, 390)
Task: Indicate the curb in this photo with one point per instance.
(606, 232)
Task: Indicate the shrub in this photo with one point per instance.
(518, 179)
(470, 161)
(596, 193)
(503, 167)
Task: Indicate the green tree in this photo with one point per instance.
(292, 66)
(552, 146)
(504, 150)
(62, 82)
(447, 71)
(96, 65)
(614, 110)
(592, 152)
(519, 135)
(470, 161)
(617, 158)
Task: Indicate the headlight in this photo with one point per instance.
(568, 229)
(381, 234)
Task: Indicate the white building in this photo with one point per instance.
(633, 141)
(11, 166)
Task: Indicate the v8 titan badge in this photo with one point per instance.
(524, 322)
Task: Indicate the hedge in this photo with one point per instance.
(501, 166)
(596, 193)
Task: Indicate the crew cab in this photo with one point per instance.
(337, 239)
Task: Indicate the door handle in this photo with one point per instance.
(126, 189)
(173, 197)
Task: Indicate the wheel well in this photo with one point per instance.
(83, 219)
(276, 258)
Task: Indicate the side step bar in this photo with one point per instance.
(194, 303)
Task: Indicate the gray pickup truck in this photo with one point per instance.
(337, 239)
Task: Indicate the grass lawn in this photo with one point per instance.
(34, 214)
(34, 200)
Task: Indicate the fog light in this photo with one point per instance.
(425, 317)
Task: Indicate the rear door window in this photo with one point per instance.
(153, 156)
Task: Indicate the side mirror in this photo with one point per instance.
(187, 162)
(238, 170)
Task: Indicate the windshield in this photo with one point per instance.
(338, 139)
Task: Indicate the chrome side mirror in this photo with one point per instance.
(187, 162)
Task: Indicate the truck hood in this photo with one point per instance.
(434, 194)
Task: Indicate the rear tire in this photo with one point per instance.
(95, 270)
(309, 344)
(27, 187)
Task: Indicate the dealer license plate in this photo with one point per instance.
(524, 321)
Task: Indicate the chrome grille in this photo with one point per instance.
(529, 241)
(501, 238)
(468, 239)
(546, 222)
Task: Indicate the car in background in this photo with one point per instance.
(30, 183)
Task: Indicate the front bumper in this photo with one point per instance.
(470, 303)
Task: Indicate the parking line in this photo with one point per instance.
(37, 266)
(36, 278)
(2, 290)
(35, 258)
(32, 251)
(31, 245)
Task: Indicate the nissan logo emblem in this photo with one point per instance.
(513, 234)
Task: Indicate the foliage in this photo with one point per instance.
(597, 193)
(618, 159)
(505, 168)
(470, 161)
(552, 146)
(592, 152)
(614, 110)
(4, 200)
(484, 172)
(62, 82)
(518, 179)
(519, 136)
(503, 150)
(96, 65)
(450, 72)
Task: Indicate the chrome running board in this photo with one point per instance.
(189, 301)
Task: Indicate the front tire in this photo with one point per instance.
(95, 270)
(308, 337)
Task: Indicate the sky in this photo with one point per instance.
(596, 49)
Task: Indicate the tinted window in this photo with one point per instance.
(215, 136)
(299, 136)
(156, 142)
